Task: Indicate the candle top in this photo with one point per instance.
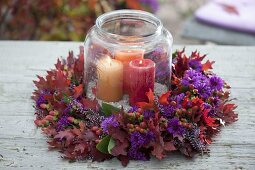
(142, 63)
(129, 54)
(107, 63)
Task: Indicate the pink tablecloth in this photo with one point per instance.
(233, 14)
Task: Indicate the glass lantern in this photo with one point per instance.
(127, 53)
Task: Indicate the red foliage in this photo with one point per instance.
(184, 124)
(150, 104)
(182, 63)
(164, 98)
(227, 113)
(207, 65)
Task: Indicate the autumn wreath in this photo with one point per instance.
(184, 119)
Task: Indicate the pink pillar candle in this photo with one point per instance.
(125, 56)
(142, 78)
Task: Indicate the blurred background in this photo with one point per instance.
(190, 22)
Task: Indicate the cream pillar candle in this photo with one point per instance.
(110, 79)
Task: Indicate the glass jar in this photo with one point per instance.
(127, 53)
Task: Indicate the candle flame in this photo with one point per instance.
(108, 58)
(140, 62)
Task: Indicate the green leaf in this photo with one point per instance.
(109, 109)
(103, 145)
(66, 98)
(111, 145)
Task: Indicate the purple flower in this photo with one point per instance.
(136, 154)
(133, 109)
(178, 99)
(216, 83)
(192, 77)
(204, 90)
(207, 106)
(195, 65)
(148, 114)
(199, 81)
(62, 123)
(153, 4)
(109, 121)
(174, 127)
(40, 100)
(138, 139)
(167, 110)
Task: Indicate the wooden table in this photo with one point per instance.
(23, 146)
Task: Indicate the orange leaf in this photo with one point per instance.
(146, 105)
(164, 98)
(207, 65)
(150, 96)
(78, 91)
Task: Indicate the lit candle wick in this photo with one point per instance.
(140, 62)
(109, 60)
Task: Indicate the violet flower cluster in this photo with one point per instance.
(109, 122)
(138, 141)
(200, 82)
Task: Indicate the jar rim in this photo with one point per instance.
(132, 14)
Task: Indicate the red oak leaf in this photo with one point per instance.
(79, 63)
(124, 159)
(158, 151)
(186, 149)
(59, 65)
(228, 114)
(169, 146)
(76, 131)
(92, 104)
(229, 107)
(209, 120)
(203, 135)
(49, 131)
(97, 155)
(120, 148)
(67, 135)
(53, 144)
(208, 65)
(90, 136)
(118, 134)
(70, 59)
(81, 148)
(182, 64)
(164, 98)
(196, 55)
(175, 80)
